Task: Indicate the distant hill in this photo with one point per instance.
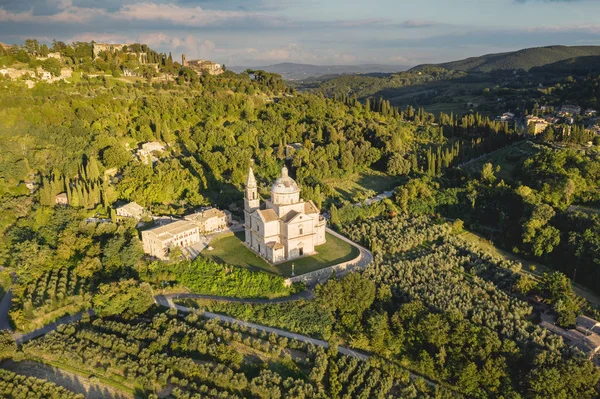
(572, 66)
(291, 71)
(522, 59)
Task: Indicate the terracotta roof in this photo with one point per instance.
(132, 207)
(169, 230)
(268, 215)
(205, 215)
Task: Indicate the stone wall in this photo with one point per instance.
(319, 276)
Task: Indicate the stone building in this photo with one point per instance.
(130, 210)
(158, 241)
(539, 124)
(97, 48)
(284, 227)
(202, 66)
(61, 199)
(210, 220)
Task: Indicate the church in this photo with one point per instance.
(284, 227)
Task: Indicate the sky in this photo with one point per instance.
(322, 32)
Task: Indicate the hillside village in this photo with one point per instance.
(34, 63)
(557, 122)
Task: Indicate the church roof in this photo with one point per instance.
(275, 245)
(289, 216)
(285, 184)
(310, 207)
(293, 215)
(268, 215)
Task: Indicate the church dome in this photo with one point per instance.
(285, 184)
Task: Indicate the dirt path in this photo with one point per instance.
(88, 387)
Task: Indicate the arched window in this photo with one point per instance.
(300, 229)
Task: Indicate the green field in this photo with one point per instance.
(508, 158)
(230, 250)
(357, 187)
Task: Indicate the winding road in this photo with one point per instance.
(167, 301)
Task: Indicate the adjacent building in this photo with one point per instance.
(539, 124)
(130, 210)
(210, 220)
(568, 109)
(147, 150)
(585, 335)
(158, 241)
(61, 199)
(202, 66)
(284, 227)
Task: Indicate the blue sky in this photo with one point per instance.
(261, 32)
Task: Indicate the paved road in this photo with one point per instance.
(4, 308)
(22, 338)
(168, 302)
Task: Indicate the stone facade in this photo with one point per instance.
(210, 220)
(158, 241)
(130, 210)
(539, 124)
(284, 227)
(202, 66)
(99, 47)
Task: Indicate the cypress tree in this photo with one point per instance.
(335, 217)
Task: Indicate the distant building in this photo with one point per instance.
(97, 48)
(61, 199)
(202, 66)
(507, 117)
(130, 210)
(210, 220)
(590, 113)
(539, 124)
(147, 150)
(158, 241)
(569, 110)
(585, 335)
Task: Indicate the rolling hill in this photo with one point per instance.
(292, 71)
(523, 59)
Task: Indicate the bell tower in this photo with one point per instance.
(251, 202)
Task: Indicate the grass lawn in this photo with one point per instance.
(509, 158)
(229, 249)
(355, 186)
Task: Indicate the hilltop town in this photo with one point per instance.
(35, 62)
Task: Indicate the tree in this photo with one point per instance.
(115, 156)
(487, 173)
(8, 346)
(347, 299)
(398, 165)
(334, 216)
(128, 298)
